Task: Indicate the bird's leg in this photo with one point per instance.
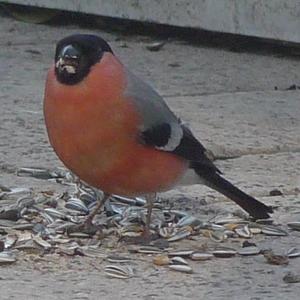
(100, 203)
(150, 198)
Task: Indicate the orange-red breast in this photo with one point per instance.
(117, 134)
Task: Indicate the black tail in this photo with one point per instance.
(215, 181)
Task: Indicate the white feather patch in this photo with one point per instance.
(175, 138)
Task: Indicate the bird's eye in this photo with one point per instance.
(68, 60)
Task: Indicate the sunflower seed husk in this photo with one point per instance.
(10, 240)
(229, 220)
(224, 252)
(177, 260)
(188, 220)
(167, 232)
(56, 214)
(161, 260)
(254, 229)
(243, 231)
(23, 226)
(39, 241)
(216, 236)
(181, 253)
(67, 250)
(34, 172)
(7, 223)
(29, 247)
(91, 252)
(10, 213)
(117, 259)
(201, 256)
(182, 233)
(291, 278)
(87, 198)
(149, 250)
(7, 257)
(293, 252)
(272, 230)
(59, 240)
(25, 202)
(19, 190)
(181, 268)
(264, 221)
(131, 230)
(294, 225)
(247, 251)
(80, 235)
(78, 205)
(217, 227)
(24, 236)
(114, 271)
(132, 201)
(156, 46)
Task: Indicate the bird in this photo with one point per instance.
(117, 134)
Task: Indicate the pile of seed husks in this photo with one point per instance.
(49, 222)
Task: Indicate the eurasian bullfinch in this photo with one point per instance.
(116, 133)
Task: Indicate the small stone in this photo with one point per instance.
(275, 192)
(291, 278)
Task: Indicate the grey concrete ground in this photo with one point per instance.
(230, 102)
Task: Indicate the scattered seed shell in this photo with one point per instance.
(224, 252)
(41, 242)
(181, 253)
(294, 225)
(293, 253)
(255, 230)
(243, 231)
(149, 250)
(10, 240)
(80, 235)
(181, 268)
(264, 221)
(7, 257)
(272, 230)
(156, 46)
(201, 256)
(177, 260)
(182, 233)
(291, 278)
(117, 259)
(34, 172)
(114, 271)
(229, 220)
(188, 220)
(218, 236)
(247, 251)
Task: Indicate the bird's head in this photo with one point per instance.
(76, 54)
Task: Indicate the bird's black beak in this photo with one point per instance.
(68, 60)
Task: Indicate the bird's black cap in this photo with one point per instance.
(76, 54)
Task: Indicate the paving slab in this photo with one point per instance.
(230, 104)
